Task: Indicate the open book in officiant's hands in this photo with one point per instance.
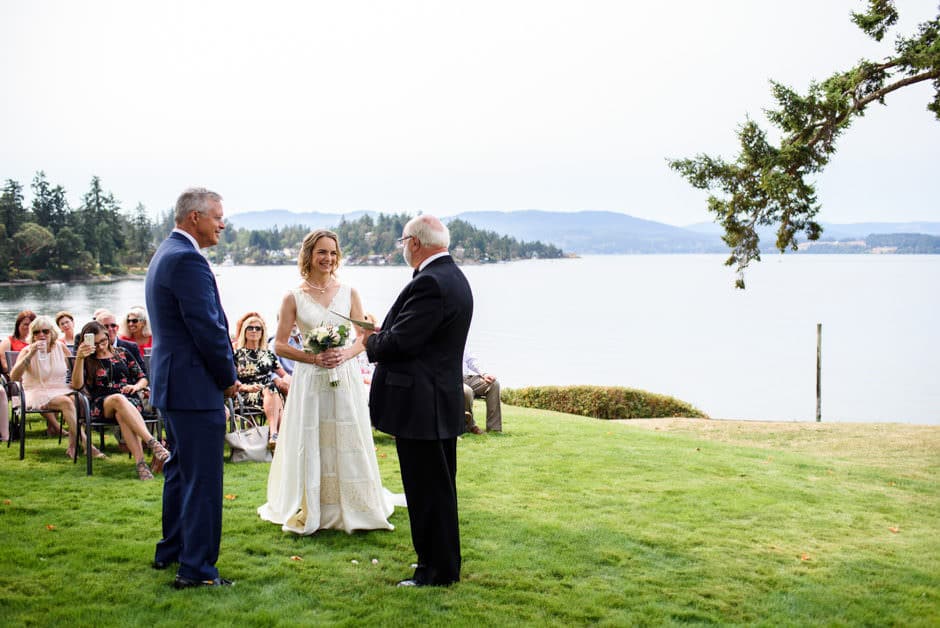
(364, 324)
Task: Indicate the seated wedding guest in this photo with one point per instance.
(478, 383)
(41, 366)
(241, 323)
(17, 342)
(4, 415)
(256, 366)
(66, 324)
(295, 340)
(112, 380)
(366, 368)
(135, 328)
(107, 320)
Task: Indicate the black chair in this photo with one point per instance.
(242, 411)
(152, 420)
(13, 412)
(20, 408)
(151, 414)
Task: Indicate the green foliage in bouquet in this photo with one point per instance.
(325, 337)
(601, 402)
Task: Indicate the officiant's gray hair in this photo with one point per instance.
(429, 230)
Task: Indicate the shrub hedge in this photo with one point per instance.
(601, 402)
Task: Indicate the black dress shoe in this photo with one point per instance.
(186, 583)
(161, 564)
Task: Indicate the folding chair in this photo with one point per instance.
(152, 420)
(17, 395)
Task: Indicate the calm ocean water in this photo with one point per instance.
(667, 324)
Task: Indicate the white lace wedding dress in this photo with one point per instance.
(324, 473)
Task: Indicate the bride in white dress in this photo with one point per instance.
(324, 473)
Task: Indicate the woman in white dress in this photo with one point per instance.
(324, 474)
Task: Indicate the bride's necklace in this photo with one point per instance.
(318, 288)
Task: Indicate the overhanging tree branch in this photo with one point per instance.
(766, 184)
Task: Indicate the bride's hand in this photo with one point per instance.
(331, 358)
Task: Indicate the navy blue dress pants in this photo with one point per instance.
(192, 492)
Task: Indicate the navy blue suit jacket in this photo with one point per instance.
(191, 362)
(417, 387)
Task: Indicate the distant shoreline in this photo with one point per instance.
(47, 282)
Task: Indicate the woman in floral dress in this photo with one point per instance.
(257, 366)
(113, 380)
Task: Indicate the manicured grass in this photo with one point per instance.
(564, 520)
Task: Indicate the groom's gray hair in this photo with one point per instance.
(194, 200)
(429, 230)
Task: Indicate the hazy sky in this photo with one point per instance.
(439, 106)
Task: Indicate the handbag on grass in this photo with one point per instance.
(250, 443)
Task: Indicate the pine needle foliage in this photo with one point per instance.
(769, 184)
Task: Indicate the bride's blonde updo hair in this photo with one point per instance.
(306, 250)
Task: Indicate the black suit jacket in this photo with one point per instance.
(134, 351)
(417, 387)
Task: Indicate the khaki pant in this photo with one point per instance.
(476, 386)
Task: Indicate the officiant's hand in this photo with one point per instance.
(365, 333)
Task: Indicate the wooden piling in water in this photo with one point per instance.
(818, 372)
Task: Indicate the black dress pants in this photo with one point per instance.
(429, 475)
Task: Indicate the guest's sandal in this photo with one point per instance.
(272, 442)
(143, 471)
(160, 452)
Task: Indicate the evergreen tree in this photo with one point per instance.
(42, 201)
(59, 209)
(12, 212)
(139, 236)
(767, 184)
(100, 226)
(5, 260)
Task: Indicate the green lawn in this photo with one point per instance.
(564, 520)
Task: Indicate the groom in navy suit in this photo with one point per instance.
(191, 371)
(417, 393)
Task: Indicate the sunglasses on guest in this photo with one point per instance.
(42, 331)
(133, 320)
(253, 328)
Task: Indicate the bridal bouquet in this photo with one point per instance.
(325, 337)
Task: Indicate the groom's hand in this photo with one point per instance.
(232, 390)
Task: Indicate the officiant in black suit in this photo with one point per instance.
(417, 393)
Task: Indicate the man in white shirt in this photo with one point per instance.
(295, 340)
(478, 383)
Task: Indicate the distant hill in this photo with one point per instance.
(592, 232)
(596, 232)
